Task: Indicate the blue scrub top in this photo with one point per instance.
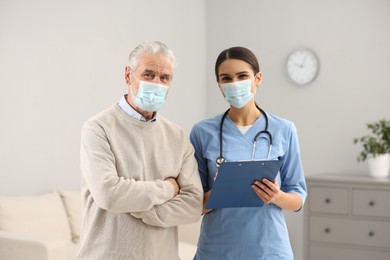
(247, 233)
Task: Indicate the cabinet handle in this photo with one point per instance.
(327, 200)
(371, 233)
(371, 203)
(327, 230)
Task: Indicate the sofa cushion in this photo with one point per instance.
(72, 202)
(71, 251)
(42, 215)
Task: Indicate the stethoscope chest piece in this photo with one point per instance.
(220, 160)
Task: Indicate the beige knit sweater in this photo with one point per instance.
(129, 211)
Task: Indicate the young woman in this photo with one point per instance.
(247, 232)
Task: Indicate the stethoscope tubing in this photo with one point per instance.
(221, 159)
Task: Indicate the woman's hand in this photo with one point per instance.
(205, 199)
(270, 192)
(267, 191)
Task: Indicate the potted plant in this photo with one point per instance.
(376, 148)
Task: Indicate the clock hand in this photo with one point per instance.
(303, 61)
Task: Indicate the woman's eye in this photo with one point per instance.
(243, 76)
(225, 79)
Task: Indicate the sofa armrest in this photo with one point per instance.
(23, 247)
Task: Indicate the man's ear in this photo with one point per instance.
(127, 75)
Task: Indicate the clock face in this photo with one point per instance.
(302, 66)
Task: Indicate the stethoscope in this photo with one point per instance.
(221, 159)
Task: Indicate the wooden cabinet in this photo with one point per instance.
(347, 218)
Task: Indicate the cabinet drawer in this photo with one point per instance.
(333, 253)
(329, 200)
(353, 232)
(371, 203)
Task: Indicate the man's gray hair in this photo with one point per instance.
(149, 47)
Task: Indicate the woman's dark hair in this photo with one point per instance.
(238, 53)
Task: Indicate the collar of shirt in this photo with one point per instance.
(132, 112)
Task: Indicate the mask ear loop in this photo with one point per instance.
(131, 87)
(131, 90)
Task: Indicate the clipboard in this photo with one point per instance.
(232, 187)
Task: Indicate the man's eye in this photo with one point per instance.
(165, 78)
(148, 76)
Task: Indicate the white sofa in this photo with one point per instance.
(47, 227)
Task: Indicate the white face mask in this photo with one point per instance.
(238, 93)
(150, 96)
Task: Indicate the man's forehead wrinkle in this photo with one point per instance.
(156, 66)
(153, 67)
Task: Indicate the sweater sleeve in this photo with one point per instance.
(184, 208)
(110, 191)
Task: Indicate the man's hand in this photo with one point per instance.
(176, 187)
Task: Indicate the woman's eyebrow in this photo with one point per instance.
(238, 73)
(242, 72)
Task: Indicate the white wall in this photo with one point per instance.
(61, 62)
(351, 38)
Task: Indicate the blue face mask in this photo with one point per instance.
(150, 96)
(238, 93)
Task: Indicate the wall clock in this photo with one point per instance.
(302, 66)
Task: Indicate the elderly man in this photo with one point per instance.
(139, 173)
